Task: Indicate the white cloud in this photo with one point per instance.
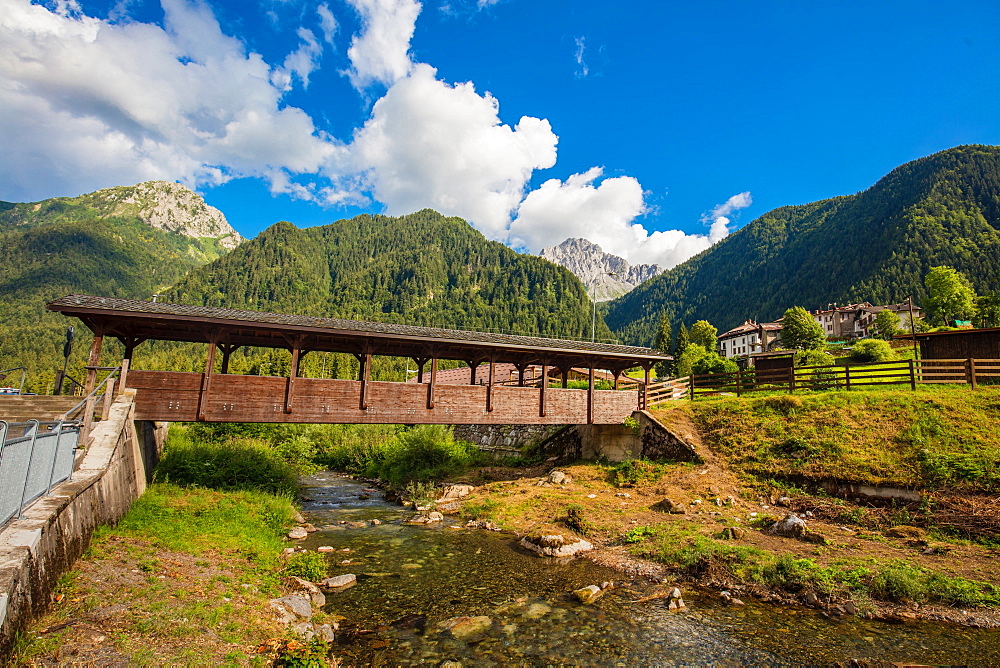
(430, 144)
(604, 214)
(85, 103)
(381, 52)
(327, 23)
(581, 66)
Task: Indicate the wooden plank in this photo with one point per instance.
(206, 381)
(236, 398)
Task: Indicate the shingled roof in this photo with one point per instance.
(142, 320)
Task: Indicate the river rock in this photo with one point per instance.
(298, 533)
(316, 597)
(325, 632)
(555, 545)
(340, 581)
(455, 492)
(309, 528)
(298, 519)
(791, 526)
(669, 506)
(588, 594)
(292, 608)
(559, 478)
(734, 533)
(482, 524)
(537, 611)
(676, 601)
(465, 627)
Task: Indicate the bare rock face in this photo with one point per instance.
(591, 265)
(555, 545)
(168, 206)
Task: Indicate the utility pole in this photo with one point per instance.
(593, 320)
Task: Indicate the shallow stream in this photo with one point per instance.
(412, 577)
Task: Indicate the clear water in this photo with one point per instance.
(410, 578)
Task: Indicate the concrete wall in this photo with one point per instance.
(54, 531)
(649, 439)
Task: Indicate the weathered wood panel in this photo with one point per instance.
(175, 396)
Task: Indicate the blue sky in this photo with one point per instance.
(652, 128)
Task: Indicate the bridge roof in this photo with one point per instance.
(135, 320)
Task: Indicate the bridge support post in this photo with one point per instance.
(433, 383)
(590, 394)
(544, 386)
(489, 385)
(364, 375)
(92, 361)
(206, 382)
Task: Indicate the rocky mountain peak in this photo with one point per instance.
(168, 206)
(594, 268)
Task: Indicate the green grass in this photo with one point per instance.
(928, 439)
(897, 581)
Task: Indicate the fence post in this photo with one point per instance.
(691, 385)
(109, 394)
(55, 456)
(847, 377)
(739, 384)
(27, 474)
(913, 376)
(972, 373)
(791, 379)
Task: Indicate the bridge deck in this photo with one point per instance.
(175, 396)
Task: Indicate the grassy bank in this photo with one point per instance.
(183, 579)
(942, 437)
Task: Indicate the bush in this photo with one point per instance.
(577, 521)
(872, 350)
(311, 566)
(425, 452)
(713, 363)
(812, 357)
(233, 464)
(632, 472)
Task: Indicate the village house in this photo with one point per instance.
(854, 321)
(748, 338)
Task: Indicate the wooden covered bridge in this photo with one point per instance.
(217, 396)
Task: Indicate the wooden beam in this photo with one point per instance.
(420, 361)
(644, 393)
(489, 385)
(227, 350)
(93, 361)
(206, 382)
(473, 367)
(122, 376)
(590, 394)
(544, 386)
(564, 370)
(433, 383)
(365, 376)
(292, 374)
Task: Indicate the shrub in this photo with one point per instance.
(639, 534)
(425, 452)
(576, 520)
(713, 363)
(311, 566)
(872, 350)
(632, 472)
(812, 357)
(236, 463)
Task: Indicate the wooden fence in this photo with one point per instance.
(906, 372)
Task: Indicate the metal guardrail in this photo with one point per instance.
(34, 456)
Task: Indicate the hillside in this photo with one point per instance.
(127, 242)
(875, 246)
(422, 269)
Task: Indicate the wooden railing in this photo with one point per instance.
(905, 372)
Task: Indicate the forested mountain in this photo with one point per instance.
(421, 269)
(125, 242)
(875, 246)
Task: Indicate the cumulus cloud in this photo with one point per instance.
(381, 51)
(605, 214)
(431, 144)
(85, 103)
(327, 23)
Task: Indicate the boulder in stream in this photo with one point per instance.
(556, 545)
(340, 581)
(298, 533)
(588, 594)
(466, 627)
